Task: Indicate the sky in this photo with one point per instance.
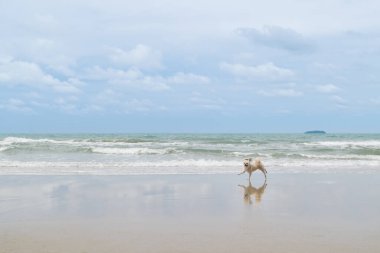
(189, 66)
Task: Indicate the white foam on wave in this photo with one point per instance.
(189, 166)
(334, 157)
(166, 163)
(346, 144)
(3, 148)
(343, 164)
(85, 143)
(130, 151)
(11, 141)
(247, 154)
(116, 168)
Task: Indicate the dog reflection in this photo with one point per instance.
(250, 190)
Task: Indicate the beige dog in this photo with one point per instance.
(251, 165)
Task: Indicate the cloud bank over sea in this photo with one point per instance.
(200, 66)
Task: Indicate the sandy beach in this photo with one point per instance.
(133, 126)
(190, 213)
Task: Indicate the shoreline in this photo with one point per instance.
(167, 171)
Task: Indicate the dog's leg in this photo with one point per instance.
(242, 172)
(264, 171)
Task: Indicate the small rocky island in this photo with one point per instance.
(315, 132)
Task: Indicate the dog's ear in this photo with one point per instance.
(250, 159)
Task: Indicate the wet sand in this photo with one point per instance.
(190, 213)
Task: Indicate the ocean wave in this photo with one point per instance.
(3, 148)
(132, 151)
(122, 147)
(74, 142)
(15, 144)
(15, 140)
(249, 154)
(346, 144)
(169, 153)
(326, 156)
(112, 142)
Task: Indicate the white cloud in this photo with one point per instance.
(14, 73)
(284, 111)
(107, 97)
(15, 105)
(277, 37)
(141, 56)
(268, 71)
(328, 88)
(134, 78)
(281, 93)
(187, 78)
(207, 103)
(141, 105)
(52, 57)
(99, 73)
(325, 66)
(339, 101)
(110, 98)
(375, 101)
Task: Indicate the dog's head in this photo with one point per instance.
(246, 162)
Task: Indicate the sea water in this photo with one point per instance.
(123, 154)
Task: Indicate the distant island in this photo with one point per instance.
(315, 132)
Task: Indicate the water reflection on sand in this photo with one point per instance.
(250, 190)
(190, 213)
